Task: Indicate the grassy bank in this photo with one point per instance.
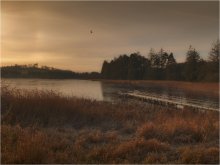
(45, 127)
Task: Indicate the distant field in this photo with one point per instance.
(45, 127)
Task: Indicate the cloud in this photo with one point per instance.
(58, 33)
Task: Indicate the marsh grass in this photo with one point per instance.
(45, 127)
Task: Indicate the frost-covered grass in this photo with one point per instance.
(45, 127)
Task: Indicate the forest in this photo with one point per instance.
(163, 66)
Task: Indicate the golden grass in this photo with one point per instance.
(44, 127)
(199, 155)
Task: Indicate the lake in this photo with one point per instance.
(105, 91)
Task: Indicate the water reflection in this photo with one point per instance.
(110, 91)
(78, 88)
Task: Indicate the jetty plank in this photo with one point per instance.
(168, 101)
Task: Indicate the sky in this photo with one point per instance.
(58, 34)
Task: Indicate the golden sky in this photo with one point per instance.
(58, 33)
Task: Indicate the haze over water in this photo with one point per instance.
(102, 91)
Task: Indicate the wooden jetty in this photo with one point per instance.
(160, 100)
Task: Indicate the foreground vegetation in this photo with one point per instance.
(45, 127)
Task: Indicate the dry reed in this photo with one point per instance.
(45, 127)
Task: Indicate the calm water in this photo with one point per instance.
(109, 91)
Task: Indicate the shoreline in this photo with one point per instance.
(211, 87)
(201, 87)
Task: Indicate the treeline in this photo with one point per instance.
(34, 71)
(163, 66)
(159, 65)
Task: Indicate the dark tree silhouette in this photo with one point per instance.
(213, 65)
(154, 58)
(214, 53)
(34, 71)
(159, 66)
(192, 64)
(171, 59)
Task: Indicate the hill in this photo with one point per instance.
(34, 71)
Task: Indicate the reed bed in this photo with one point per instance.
(46, 127)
